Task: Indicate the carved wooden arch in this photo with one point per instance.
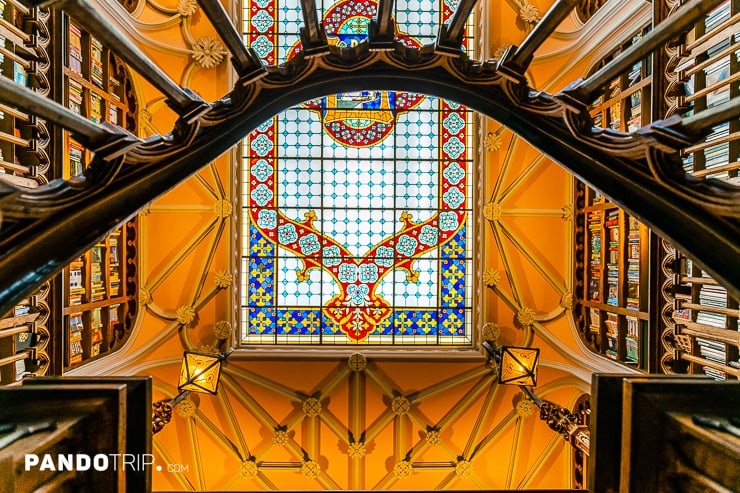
(640, 172)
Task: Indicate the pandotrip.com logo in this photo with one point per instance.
(96, 462)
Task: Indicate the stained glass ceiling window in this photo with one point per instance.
(357, 206)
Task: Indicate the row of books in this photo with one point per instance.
(97, 278)
(97, 330)
(76, 281)
(594, 233)
(633, 264)
(74, 46)
(611, 224)
(96, 62)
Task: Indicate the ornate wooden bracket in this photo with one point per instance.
(45, 228)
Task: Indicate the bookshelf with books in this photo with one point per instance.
(93, 89)
(98, 284)
(612, 302)
(625, 103)
(97, 299)
(703, 316)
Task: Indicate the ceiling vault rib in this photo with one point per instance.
(521, 178)
(513, 455)
(539, 463)
(175, 260)
(483, 414)
(540, 266)
(496, 227)
(165, 454)
(243, 449)
(197, 457)
(505, 168)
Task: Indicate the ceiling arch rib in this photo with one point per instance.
(700, 217)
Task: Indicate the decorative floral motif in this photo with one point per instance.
(428, 235)
(145, 296)
(454, 173)
(262, 170)
(402, 469)
(222, 208)
(454, 147)
(347, 273)
(492, 211)
(448, 221)
(287, 234)
(208, 52)
(358, 293)
(209, 348)
(568, 212)
(261, 195)
(185, 315)
(186, 8)
(331, 256)
(384, 256)
(454, 123)
(249, 469)
(463, 469)
(400, 405)
(491, 278)
(357, 362)
(222, 330)
(310, 469)
(280, 437)
(526, 316)
(406, 245)
(493, 140)
(223, 279)
(309, 244)
(262, 145)
(186, 408)
(525, 407)
(356, 450)
(368, 273)
(433, 437)
(567, 301)
(267, 219)
(311, 407)
(453, 197)
(529, 13)
(490, 332)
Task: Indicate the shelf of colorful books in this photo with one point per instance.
(95, 284)
(625, 103)
(614, 298)
(95, 298)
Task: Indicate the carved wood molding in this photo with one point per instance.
(641, 172)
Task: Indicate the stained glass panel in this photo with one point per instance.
(357, 219)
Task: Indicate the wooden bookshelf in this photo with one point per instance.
(96, 299)
(705, 317)
(613, 301)
(625, 104)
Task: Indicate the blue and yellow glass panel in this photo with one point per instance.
(357, 220)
